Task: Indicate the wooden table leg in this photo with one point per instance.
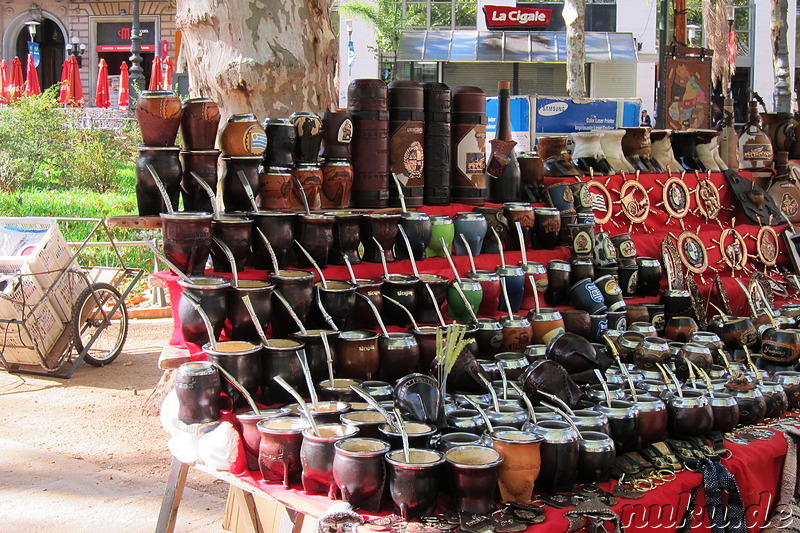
(172, 497)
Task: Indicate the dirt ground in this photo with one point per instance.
(96, 416)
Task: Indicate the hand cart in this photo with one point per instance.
(54, 313)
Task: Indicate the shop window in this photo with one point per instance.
(440, 14)
(601, 15)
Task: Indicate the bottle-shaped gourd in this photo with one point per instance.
(503, 168)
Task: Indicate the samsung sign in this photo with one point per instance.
(509, 17)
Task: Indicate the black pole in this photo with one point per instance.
(136, 80)
(661, 90)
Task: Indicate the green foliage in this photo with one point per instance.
(385, 15)
(41, 149)
(50, 168)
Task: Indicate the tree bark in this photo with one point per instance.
(574, 15)
(268, 57)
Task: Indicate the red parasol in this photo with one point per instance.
(124, 80)
(15, 82)
(3, 82)
(167, 68)
(155, 75)
(101, 94)
(71, 92)
(32, 86)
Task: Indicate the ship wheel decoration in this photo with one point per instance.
(634, 203)
(733, 249)
(706, 196)
(693, 253)
(675, 198)
(600, 201)
(767, 247)
(672, 263)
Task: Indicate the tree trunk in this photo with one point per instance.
(268, 57)
(574, 15)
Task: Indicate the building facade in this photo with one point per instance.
(95, 29)
(611, 71)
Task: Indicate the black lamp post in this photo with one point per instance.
(136, 80)
(74, 48)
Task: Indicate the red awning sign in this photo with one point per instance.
(123, 48)
(504, 17)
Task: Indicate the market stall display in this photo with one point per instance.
(475, 372)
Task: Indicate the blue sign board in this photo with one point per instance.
(33, 50)
(520, 114)
(563, 115)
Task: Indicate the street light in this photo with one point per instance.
(74, 48)
(32, 25)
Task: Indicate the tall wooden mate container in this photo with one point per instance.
(438, 140)
(406, 141)
(468, 178)
(368, 104)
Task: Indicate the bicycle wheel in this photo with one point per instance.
(92, 316)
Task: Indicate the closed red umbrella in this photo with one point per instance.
(71, 92)
(101, 94)
(63, 85)
(167, 68)
(124, 80)
(15, 82)
(3, 82)
(155, 75)
(32, 84)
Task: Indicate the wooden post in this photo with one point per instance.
(680, 22)
(172, 497)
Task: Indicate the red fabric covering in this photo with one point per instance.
(102, 97)
(3, 82)
(124, 91)
(32, 86)
(155, 75)
(15, 83)
(71, 92)
(757, 468)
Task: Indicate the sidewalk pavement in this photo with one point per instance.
(44, 491)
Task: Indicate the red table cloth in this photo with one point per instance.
(756, 466)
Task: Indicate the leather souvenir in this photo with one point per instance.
(754, 202)
(551, 378)
(786, 194)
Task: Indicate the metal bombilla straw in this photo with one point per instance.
(303, 405)
(522, 249)
(405, 310)
(401, 425)
(328, 357)
(313, 263)
(410, 251)
(469, 252)
(492, 392)
(248, 189)
(378, 318)
(291, 312)
(170, 264)
(162, 189)
(526, 400)
(481, 412)
(230, 258)
(207, 188)
(270, 250)
(256, 323)
(383, 257)
(374, 403)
